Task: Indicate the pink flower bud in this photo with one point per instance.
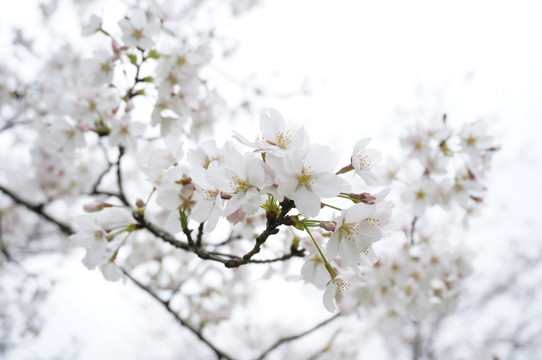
(328, 225)
(95, 206)
(140, 203)
(84, 127)
(366, 198)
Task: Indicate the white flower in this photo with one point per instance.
(416, 142)
(314, 269)
(364, 161)
(334, 292)
(204, 154)
(421, 194)
(124, 132)
(474, 139)
(276, 137)
(209, 203)
(242, 176)
(357, 228)
(306, 175)
(66, 135)
(100, 68)
(137, 32)
(94, 24)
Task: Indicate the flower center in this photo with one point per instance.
(341, 285)
(209, 194)
(364, 161)
(306, 177)
(373, 221)
(238, 184)
(282, 139)
(350, 231)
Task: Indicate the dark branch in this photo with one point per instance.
(295, 337)
(204, 254)
(38, 209)
(184, 323)
(413, 229)
(271, 229)
(2, 245)
(121, 195)
(167, 237)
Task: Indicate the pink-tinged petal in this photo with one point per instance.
(307, 202)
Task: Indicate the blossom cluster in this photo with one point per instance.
(279, 179)
(453, 166)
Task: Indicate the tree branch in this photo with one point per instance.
(184, 323)
(295, 337)
(122, 196)
(38, 209)
(271, 229)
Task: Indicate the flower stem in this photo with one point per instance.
(328, 266)
(333, 207)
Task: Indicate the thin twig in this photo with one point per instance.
(2, 245)
(122, 196)
(271, 229)
(413, 229)
(183, 322)
(38, 209)
(295, 337)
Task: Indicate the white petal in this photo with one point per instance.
(329, 295)
(307, 202)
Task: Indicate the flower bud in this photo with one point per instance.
(328, 225)
(366, 198)
(95, 206)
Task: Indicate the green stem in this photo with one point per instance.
(114, 256)
(328, 266)
(333, 207)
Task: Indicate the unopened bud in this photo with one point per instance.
(140, 203)
(328, 225)
(84, 127)
(364, 197)
(95, 206)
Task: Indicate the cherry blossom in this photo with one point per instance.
(138, 31)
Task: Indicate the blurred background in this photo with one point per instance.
(344, 70)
